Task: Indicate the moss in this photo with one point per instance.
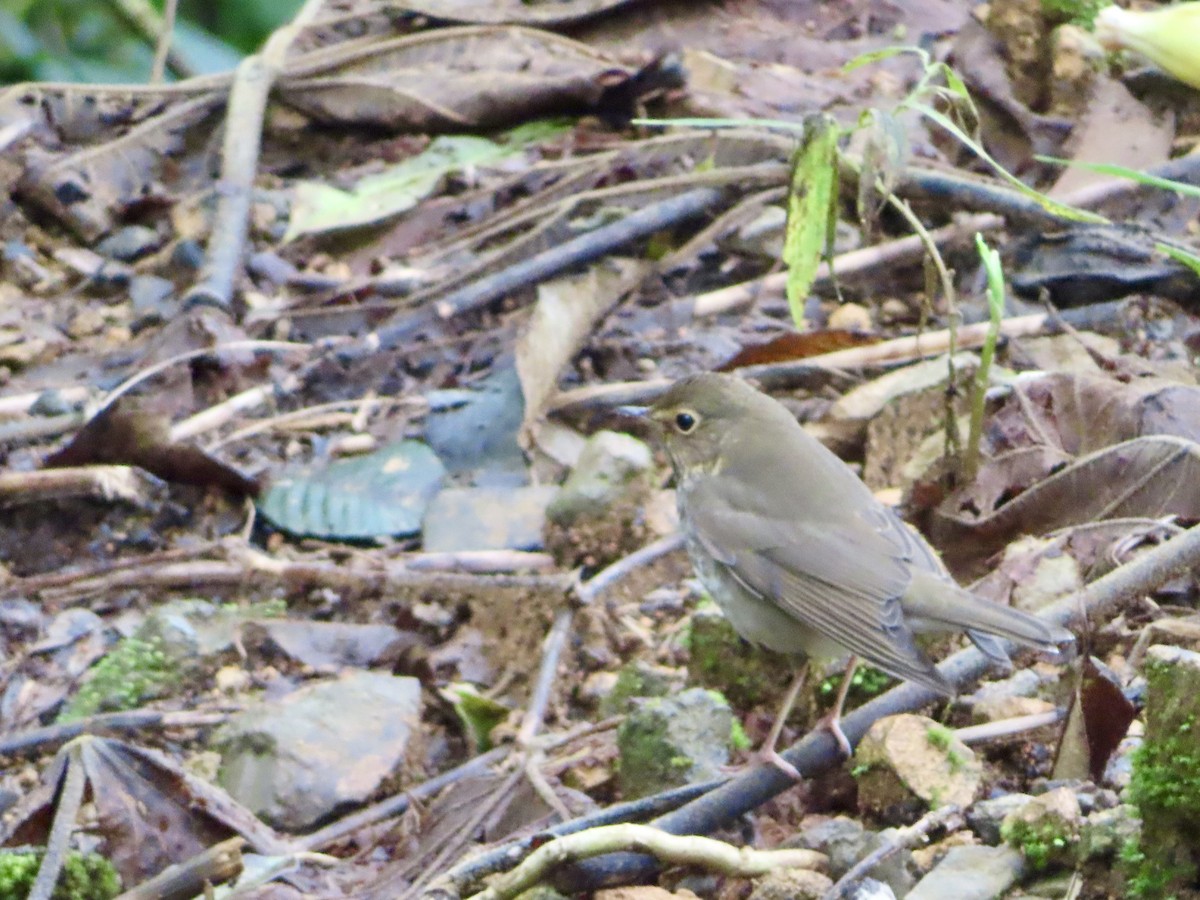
(1144, 879)
(1041, 843)
(720, 659)
(84, 876)
(635, 679)
(134, 671)
(1076, 12)
(738, 739)
(1165, 786)
(942, 738)
(866, 684)
(939, 736)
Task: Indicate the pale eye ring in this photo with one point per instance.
(685, 422)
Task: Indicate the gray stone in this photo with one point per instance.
(791, 884)
(842, 839)
(1046, 829)
(487, 518)
(1106, 831)
(970, 873)
(986, 816)
(280, 759)
(475, 431)
(639, 679)
(845, 842)
(608, 469)
(667, 742)
(153, 300)
(870, 889)
(130, 243)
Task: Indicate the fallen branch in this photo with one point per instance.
(713, 855)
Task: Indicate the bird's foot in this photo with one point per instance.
(833, 724)
(765, 756)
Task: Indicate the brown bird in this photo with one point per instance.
(801, 557)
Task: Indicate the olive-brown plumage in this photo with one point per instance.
(799, 554)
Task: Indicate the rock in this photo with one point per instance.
(130, 243)
(791, 884)
(908, 764)
(1021, 683)
(153, 301)
(52, 403)
(1046, 829)
(597, 515)
(487, 518)
(986, 816)
(870, 889)
(926, 857)
(643, 892)
(639, 679)
(720, 659)
(277, 759)
(998, 708)
(609, 466)
(840, 838)
(667, 742)
(845, 842)
(1165, 783)
(1107, 831)
(475, 431)
(761, 236)
(851, 317)
(970, 873)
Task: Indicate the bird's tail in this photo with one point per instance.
(932, 604)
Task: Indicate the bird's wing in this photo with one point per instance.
(846, 582)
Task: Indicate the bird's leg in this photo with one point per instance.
(832, 720)
(767, 752)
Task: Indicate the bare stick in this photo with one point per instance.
(714, 855)
(70, 798)
(903, 837)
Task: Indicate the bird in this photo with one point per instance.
(802, 558)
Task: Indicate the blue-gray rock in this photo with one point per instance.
(971, 873)
(608, 468)
(280, 759)
(130, 243)
(153, 300)
(666, 742)
(487, 518)
(475, 431)
(986, 816)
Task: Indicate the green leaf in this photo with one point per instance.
(812, 209)
(478, 714)
(1180, 255)
(1061, 210)
(1167, 184)
(319, 207)
(865, 59)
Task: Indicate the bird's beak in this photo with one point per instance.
(634, 412)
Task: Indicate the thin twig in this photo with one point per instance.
(901, 838)
(132, 720)
(1005, 727)
(66, 812)
(165, 35)
(606, 578)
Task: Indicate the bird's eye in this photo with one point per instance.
(685, 422)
